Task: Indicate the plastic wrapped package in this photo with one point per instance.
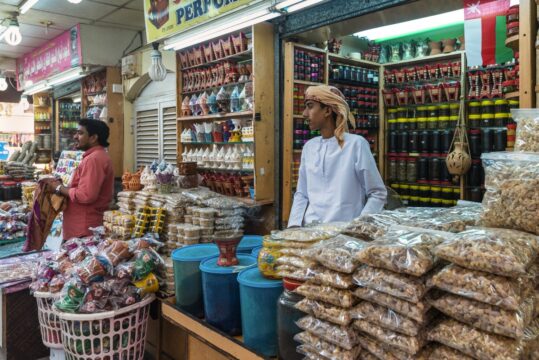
(442, 352)
(365, 355)
(527, 134)
(91, 269)
(117, 252)
(341, 336)
(416, 311)
(337, 254)
(388, 318)
(323, 311)
(294, 252)
(498, 251)
(512, 183)
(302, 234)
(222, 202)
(482, 345)
(292, 272)
(372, 226)
(314, 344)
(341, 298)
(198, 195)
(382, 351)
(335, 227)
(403, 250)
(408, 344)
(294, 261)
(406, 287)
(331, 278)
(488, 317)
(481, 286)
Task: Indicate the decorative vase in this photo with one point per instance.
(421, 48)
(235, 100)
(435, 47)
(223, 101)
(449, 45)
(227, 250)
(383, 55)
(407, 51)
(462, 43)
(458, 161)
(212, 103)
(395, 52)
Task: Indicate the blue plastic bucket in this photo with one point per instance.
(221, 293)
(187, 278)
(248, 243)
(258, 297)
(255, 251)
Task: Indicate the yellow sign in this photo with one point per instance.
(168, 17)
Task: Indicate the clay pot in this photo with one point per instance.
(188, 168)
(435, 47)
(461, 41)
(449, 45)
(134, 183)
(458, 161)
(227, 250)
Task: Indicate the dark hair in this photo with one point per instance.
(97, 127)
(333, 113)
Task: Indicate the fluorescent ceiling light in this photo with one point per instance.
(286, 3)
(74, 1)
(250, 16)
(67, 76)
(38, 87)
(302, 5)
(77, 99)
(27, 5)
(414, 26)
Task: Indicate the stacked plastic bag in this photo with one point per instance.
(489, 294)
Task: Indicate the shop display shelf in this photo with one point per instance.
(190, 92)
(512, 42)
(423, 82)
(309, 83)
(309, 48)
(217, 117)
(426, 59)
(219, 143)
(349, 61)
(425, 104)
(353, 83)
(512, 95)
(233, 347)
(226, 170)
(242, 56)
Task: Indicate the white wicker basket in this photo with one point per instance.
(110, 335)
(49, 323)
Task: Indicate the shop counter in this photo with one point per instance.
(204, 341)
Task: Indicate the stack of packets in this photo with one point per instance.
(394, 315)
(149, 220)
(126, 202)
(119, 225)
(489, 295)
(68, 162)
(327, 329)
(95, 274)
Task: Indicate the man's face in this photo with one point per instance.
(316, 114)
(83, 139)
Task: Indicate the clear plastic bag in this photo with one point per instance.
(406, 287)
(322, 311)
(487, 317)
(222, 202)
(292, 272)
(388, 318)
(337, 254)
(372, 226)
(341, 298)
(512, 196)
(302, 234)
(294, 261)
(442, 352)
(527, 134)
(408, 344)
(403, 250)
(482, 345)
(416, 311)
(342, 336)
(293, 252)
(382, 351)
(498, 251)
(316, 345)
(331, 278)
(481, 286)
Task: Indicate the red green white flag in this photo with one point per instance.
(484, 32)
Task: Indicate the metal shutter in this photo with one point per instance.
(147, 136)
(169, 145)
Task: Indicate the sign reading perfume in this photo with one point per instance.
(167, 17)
(56, 56)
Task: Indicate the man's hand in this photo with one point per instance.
(52, 185)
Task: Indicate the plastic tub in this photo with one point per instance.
(221, 293)
(248, 243)
(187, 278)
(258, 297)
(255, 252)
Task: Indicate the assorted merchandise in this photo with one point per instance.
(68, 162)
(215, 50)
(13, 221)
(231, 131)
(69, 115)
(20, 164)
(94, 99)
(233, 157)
(308, 66)
(230, 99)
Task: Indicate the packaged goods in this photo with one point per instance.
(416, 311)
(337, 254)
(301, 234)
(527, 134)
(314, 344)
(341, 336)
(292, 272)
(498, 251)
(332, 278)
(382, 351)
(408, 344)
(442, 352)
(341, 298)
(294, 261)
(323, 311)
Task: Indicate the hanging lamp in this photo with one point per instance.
(157, 71)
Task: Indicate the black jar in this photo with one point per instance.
(424, 141)
(413, 141)
(486, 140)
(434, 169)
(500, 140)
(474, 176)
(475, 143)
(393, 142)
(422, 169)
(435, 142)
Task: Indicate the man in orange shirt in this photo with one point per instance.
(92, 186)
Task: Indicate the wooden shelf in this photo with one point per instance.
(208, 334)
(309, 48)
(354, 83)
(243, 56)
(512, 42)
(217, 117)
(423, 82)
(226, 170)
(354, 62)
(426, 59)
(216, 87)
(512, 95)
(310, 83)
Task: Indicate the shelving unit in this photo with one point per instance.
(68, 115)
(43, 127)
(259, 56)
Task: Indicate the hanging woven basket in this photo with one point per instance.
(458, 160)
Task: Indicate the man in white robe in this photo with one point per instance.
(338, 177)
